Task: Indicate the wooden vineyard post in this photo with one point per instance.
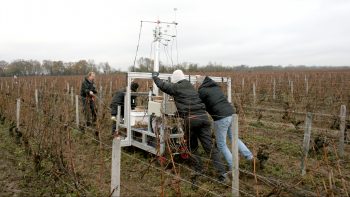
(306, 142)
(235, 163)
(36, 100)
(291, 88)
(18, 109)
(115, 175)
(77, 110)
(342, 130)
(254, 94)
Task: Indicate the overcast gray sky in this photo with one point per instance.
(252, 32)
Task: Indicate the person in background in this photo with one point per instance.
(118, 99)
(87, 93)
(221, 111)
(196, 122)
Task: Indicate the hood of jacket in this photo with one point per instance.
(208, 82)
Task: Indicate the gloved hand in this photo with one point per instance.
(114, 118)
(155, 74)
(91, 93)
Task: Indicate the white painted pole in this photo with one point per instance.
(254, 93)
(291, 87)
(306, 142)
(72, 95)
(229, 90)
(36, 100)
(342, 130)
(67, 88)
(110, 87)
(242, 85)
(101, 92)
(118, 118)
(18, 108)
(101, 95)
(77, 110)
(235, 162)
(156, 57)
(306, 85)
(115, 175)
(274, 89)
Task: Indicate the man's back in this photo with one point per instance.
(214, 99)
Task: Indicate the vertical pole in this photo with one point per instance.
(306, 142)
(291, 88)
(156, 57)
(274, 89)
(36, 100)
(118, 118)
(101, 95)
(72, 95)
(77, 110)
(306, 85)
(115, 175)
(229, 89)
(235, 163)
(254, 93)
(342, 130)
(127, 110)
(18, 108)
(110, 87)
(242, 85)
(67, 88)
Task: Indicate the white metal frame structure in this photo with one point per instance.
(146, 132)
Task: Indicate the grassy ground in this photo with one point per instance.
(17, 174)
(92, 164)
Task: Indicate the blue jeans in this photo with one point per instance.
(222, 129)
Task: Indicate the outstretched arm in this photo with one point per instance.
(165, 86)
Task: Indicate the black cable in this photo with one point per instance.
(137, 48)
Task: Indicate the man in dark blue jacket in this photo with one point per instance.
(87, 93)
(118, 100)
(221, 111)
(197, 124)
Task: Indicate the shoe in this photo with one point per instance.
(224, 179)
(194, 179)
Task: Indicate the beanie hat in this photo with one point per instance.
(134, 86)
(177, 76)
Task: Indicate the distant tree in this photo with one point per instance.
(3, 65)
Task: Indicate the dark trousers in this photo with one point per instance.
(114, 126)
(199, 128)
(89, 110)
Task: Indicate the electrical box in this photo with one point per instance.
(159, 108)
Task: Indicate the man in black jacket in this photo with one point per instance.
(87, 93)
(118, 99)
(221, 111)
(197, 125)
